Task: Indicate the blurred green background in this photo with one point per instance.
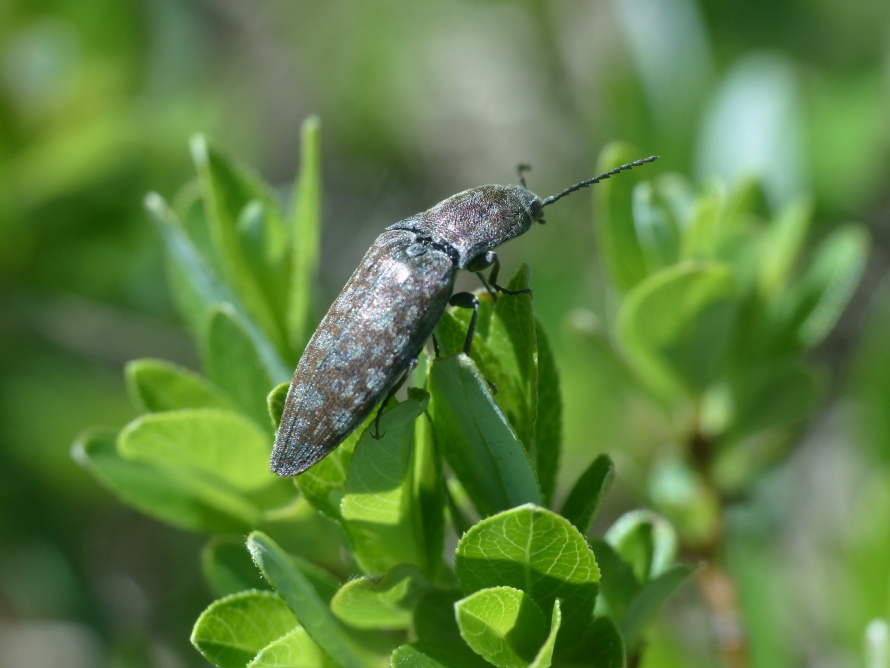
(420, 100)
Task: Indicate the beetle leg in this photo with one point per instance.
(520, 174)
(493, 277)
(435, 345)
(389, 395)
(467, 300)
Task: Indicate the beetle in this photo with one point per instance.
(368, 343)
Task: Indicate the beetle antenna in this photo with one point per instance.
(520, 174)
(597, 179)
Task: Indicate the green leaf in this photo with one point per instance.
(648, 601)
(324, 484)
(304, 224)
(476, 440)
(379, 508)
(434, 655)
(657, 232)
(233, 629)
(234, 364)
(275, 401)
(583, 501)
(614, 225)
(513, 341)
(198, 289)
(548, 428)
(204, 441)
(619, 583)
(156, 386)
(535, 550)
(603, 645)
(503, 625)
(820, 295)
(293, 650)
(434, 619)
(382, 602)
(782, 244)
(544, 657)
(675, 326)
(227, 190)
(227, 567)
(645, 540)
(309, 608)
(168, 494)
(700, 236)
(777, 395)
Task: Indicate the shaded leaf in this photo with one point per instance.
(544, 657)
(301, 597)
(381, 602)
(586, 495)
(227, 567)
(476, 440)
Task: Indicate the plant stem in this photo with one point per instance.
(717, 587)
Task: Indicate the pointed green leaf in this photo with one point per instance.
(233, 363)
(379, 506)
(544, 657)
(675, 326)
(782, 244)
(503, 625)
(198, 289)
(381, 602)
(310, 610)
(648, 601)
(820, 295)
(583, 501)
(614, 224)
(227, 190)
(304, 223)
(548, 427)
(156, 386)
(657, 232)
(233, 629)
(168, 494)
(603, 645)
(202, 441)
(513, 341)
(536, 550)
(227, 568)
(619, 583)
(293, 650)
(476, 440)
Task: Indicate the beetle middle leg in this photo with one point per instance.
(490, 259)
(469, 300)
(389, 395)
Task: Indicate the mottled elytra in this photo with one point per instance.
(368, 342)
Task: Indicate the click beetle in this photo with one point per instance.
(367, 344)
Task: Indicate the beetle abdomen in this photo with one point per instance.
(373, 330)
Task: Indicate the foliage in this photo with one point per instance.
(526, 586)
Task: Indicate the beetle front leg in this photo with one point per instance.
(490, 259)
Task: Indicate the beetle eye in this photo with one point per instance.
(536, 208)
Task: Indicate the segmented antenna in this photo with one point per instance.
(597, 179)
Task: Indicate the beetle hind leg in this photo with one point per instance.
(389, 395)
